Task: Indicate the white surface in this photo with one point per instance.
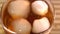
(40, 7)
(40, 25)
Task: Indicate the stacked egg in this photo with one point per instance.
(20, 10)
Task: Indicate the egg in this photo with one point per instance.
(40, 25)
(39, 8)
(21, 26)
(19, 9)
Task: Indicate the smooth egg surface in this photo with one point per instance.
(40, 25)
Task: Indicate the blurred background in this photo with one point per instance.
(56, 27)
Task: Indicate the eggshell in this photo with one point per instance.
(21, 26)
(40, 25)
(40, 8)
(19, 9)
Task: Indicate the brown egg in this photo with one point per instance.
(21, 26)
(19, 9)
(39, 8)
(40, 25)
